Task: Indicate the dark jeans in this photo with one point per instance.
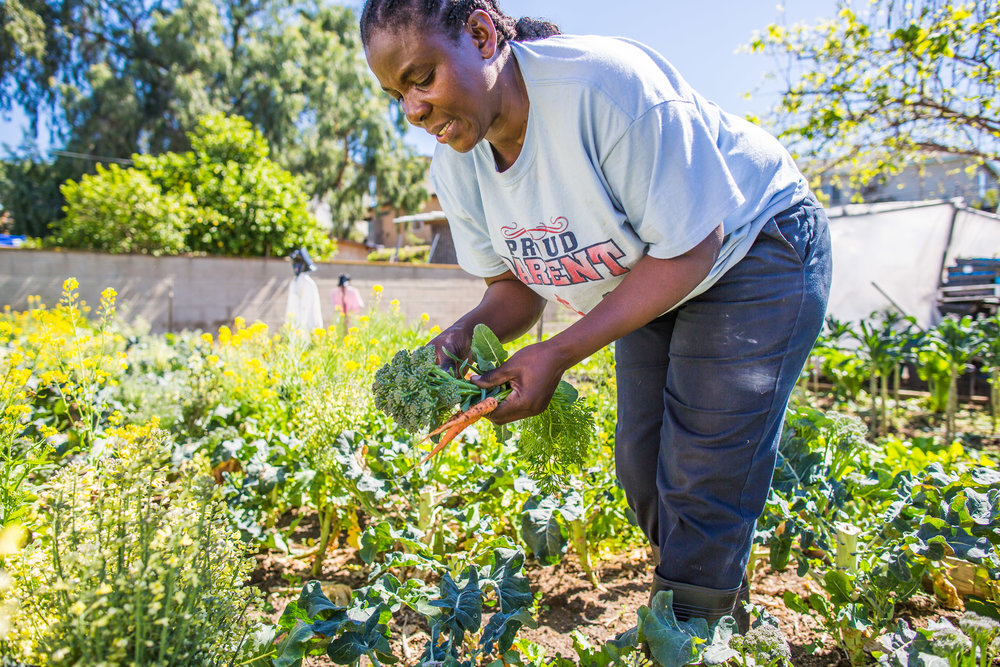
(702, 393)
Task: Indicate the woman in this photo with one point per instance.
(584, 170)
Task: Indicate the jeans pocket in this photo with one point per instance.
(793, 228)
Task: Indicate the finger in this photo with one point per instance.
(489, 379)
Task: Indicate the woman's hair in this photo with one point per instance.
(451, 16)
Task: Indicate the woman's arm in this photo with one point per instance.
(508, 308)
(652, 287)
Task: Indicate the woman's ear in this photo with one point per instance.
(484, 34)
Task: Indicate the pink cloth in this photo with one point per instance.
(347, 299)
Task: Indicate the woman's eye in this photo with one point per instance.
(426, 81)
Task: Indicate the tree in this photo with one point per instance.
(133, 76)
(878, 88)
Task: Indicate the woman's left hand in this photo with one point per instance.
(533, 375)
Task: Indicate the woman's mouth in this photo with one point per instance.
(443, 131)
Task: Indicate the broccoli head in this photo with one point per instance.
(416, 392)
(765, 641)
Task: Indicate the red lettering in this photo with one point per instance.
(558, 275)
(578, 268)
(608, 254)
(536, 269)
(520, 270)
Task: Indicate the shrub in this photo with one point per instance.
(248, 205)
(121, 211)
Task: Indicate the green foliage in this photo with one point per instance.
(498, 588)
(121, 211)
(30, 191)
(245, 204)
(122, 78)
(223, 197)
(411, 254)
(877, 87)
(417, 393)
(141, 565)
(420, 395)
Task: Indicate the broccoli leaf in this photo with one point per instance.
(487, 350)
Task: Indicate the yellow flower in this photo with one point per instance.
(240, 323)
(377, 289)
(434, 330)
(225, 335)
(395, 304)
(350, 366)
(69, 285)
(374, 361)
(307, 376)
(425, 318)
(319, 332)
(364, 319)
(207, 337)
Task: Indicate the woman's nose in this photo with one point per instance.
(415, 109)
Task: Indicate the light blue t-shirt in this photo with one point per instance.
(621, 157)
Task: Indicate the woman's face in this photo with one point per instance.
(445, 86)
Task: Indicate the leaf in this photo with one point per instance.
(293, 647)
(466, 604)
(367, 638)
(718, 652)
(672, 642)
(502, 627)
(487, 348)
(979, 507)
(839, 585)
(541, 529)
(314, 602)
(968, 547)
(512, 587)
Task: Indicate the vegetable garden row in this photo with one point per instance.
(141, 474)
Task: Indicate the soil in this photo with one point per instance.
(569, 602)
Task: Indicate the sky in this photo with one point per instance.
(701, 39)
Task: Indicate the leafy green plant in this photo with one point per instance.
(972, 644)
(954, 342)
(990, 332)
(132, 561)
(457, 635)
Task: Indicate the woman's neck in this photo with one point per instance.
(506, 135)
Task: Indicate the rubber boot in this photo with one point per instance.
(697, 601)
(740, 612)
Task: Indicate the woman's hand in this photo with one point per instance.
(533, 375)
(456, 340)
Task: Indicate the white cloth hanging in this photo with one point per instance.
(303, 311)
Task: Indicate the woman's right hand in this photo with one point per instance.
(457, 340)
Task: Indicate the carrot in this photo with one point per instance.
(458, 424)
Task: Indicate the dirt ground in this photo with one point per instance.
(569, 602)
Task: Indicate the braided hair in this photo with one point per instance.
(451, 15)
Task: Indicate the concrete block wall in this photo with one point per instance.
(203, 293)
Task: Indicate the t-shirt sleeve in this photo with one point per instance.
(670, 179)
(462, 205)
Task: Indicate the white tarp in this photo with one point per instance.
(891, 256)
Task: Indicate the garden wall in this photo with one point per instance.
(177, 293)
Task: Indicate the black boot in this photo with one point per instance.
(740, 612)
(697, 601)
